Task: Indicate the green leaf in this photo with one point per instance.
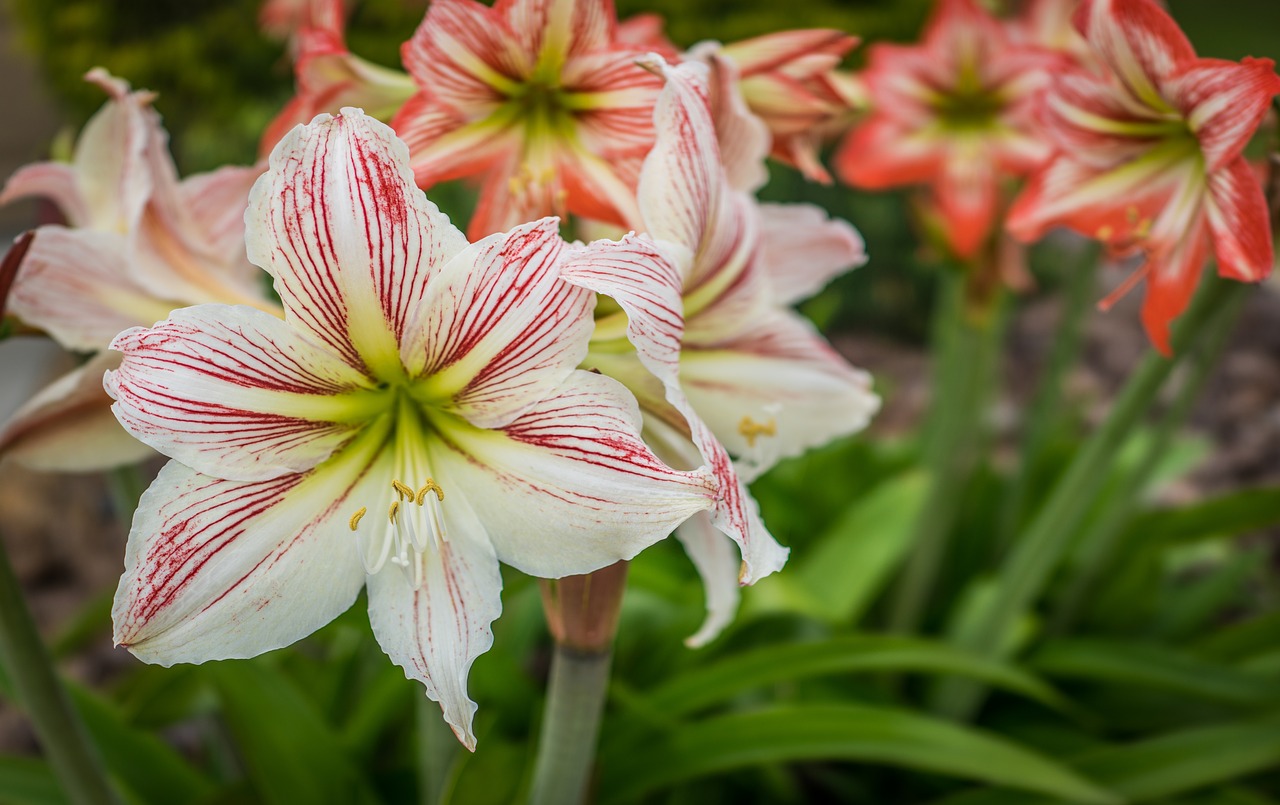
(1171, 764)
(1152, 667)
(25, 781)
(1226, 516)
(833, 732)
(292, 755)
(845, 569)
(148, 767)
(713, 684)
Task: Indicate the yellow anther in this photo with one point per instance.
(515, 186)
(751, 430)
(1105, 232)
(1144, 228)
(395, 507)
(403, 490)
(355, 518)
(431, 486)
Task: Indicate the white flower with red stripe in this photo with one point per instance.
(137, 243)
(721, 367)
(417, 417)
(1149, 157)
(540, 98)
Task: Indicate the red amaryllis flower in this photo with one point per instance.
(956, 112)
(1149, 157)
(541, 98)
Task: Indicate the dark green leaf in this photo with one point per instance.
(24, 781)
(833, 732)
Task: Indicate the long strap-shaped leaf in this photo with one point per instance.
(834, 732)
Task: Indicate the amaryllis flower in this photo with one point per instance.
(789, 80)
(1150, 158)
(540, 98)
(330, 77)
(416, 418)
(137, 244)
(957, 113)
(720, 366)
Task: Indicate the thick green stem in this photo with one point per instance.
(1038, 551)
(1048, 400)
(967, 347)
(1100, 544)
(61, 734)
(570, 726)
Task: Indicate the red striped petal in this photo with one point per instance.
(1239, 221)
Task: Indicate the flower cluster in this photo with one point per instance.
(421, 405)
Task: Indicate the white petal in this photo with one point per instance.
(801, 249)
(499, 330)
(350, 239)
(569, 487)
(221, 569)
(436, 631)
(236, 393)
(717, 560)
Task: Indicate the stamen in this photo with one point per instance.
(751, 430)
(395, 508)
(1124, 287)
(403, 490)
(431, 486)
(355, 518)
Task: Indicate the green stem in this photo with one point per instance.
(968, 349)
(437, 753)
(1100, 543)
(61, 733)
(1041, 547)
(570, 726)
(1045, 409)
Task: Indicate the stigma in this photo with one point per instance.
(415, 525)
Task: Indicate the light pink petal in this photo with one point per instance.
(498, 330)
(216, 202)
(776, 391)
(717, 561)
(220, 569)
(645, 284)
(436, 630)
(743, 137)
(52, 180)
(801, 249)
(234, 392)
(1223, 103)
(68, 425)
(1238, 219)
(76, 285)
(569, 487)
(1138, 41)
(348, 236)
(114, 154)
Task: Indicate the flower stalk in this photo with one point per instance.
(967, 346)
(582, 613)
(61, 733)
(1040, 548)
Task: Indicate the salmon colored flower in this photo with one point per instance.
(542, 99)
(1149, 157)
(415, 418)
(330, 77)
(720, 366)
(138, 243)
(957, 113)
